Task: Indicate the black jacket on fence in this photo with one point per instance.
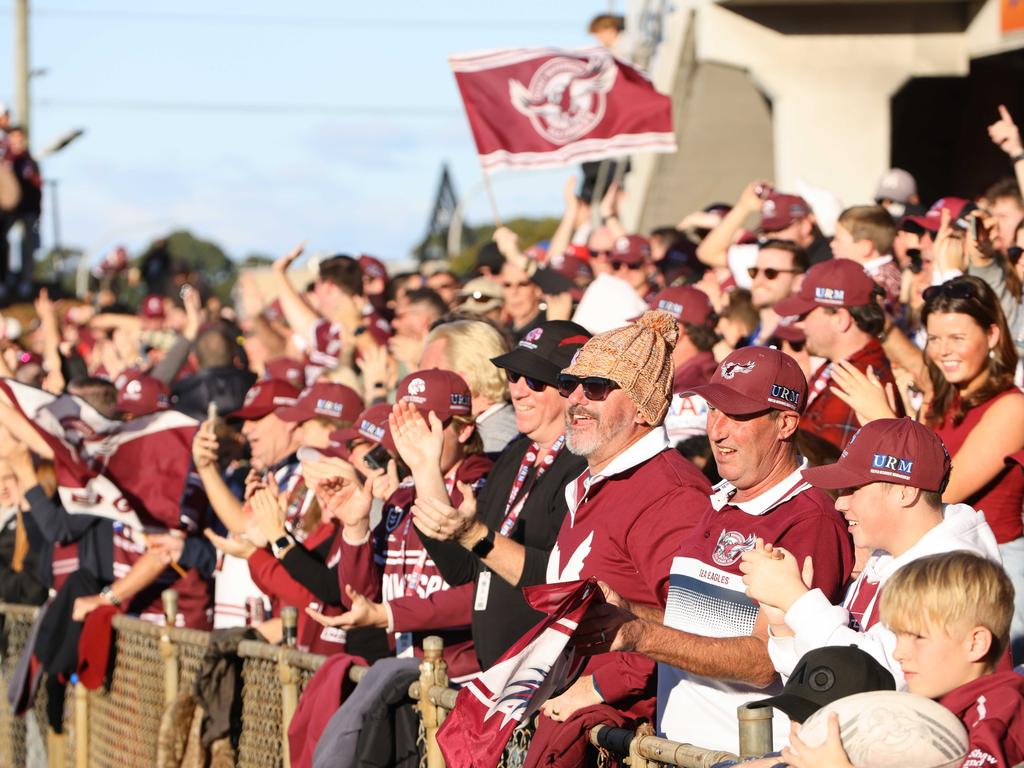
(507, 617)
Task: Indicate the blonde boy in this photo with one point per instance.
(951, 616)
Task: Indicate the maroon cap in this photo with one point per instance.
(832, 283)
(265, 397)
(932, 219)
(373, 267)
(631, 249)
(787, 329)
(685, 303)
(371, 425)
(900, 451)
(778, 211)
(153, 307)
(141, 394)
(94, 645)
(572, 267)
(286, 369)
(443, 392)
(325, 399)
(755, 379)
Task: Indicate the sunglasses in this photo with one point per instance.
(617, 265)
(597, 254)
(1013, 253)
(952, 290)
(770, 273)
(594, 387)
(523, 284)
(535, 384)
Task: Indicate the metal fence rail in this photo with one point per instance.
(121, 725)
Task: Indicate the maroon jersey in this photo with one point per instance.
(393, 564)
(992, 710)
(625, 531)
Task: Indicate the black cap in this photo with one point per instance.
(552, 282)
(825, 675)
(489, 256)
(545, 350)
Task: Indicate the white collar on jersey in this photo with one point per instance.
(782, 491)
(647, 447)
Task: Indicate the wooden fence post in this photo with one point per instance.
(170, 600)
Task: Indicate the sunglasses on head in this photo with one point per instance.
(595, 388)
(617, 265)
(535, 384)
(960, 290)
(770, 273)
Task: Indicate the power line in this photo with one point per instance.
(349, 110)
(183, 17)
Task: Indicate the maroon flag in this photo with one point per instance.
(490, 707)
(133, 472)
(545, 107)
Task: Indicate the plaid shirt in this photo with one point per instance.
(826, 415)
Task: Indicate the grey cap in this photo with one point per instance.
(896, 185)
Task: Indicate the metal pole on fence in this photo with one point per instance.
(755, 731)
(289, 680)
(81, 723)
(433, 671)
(170, 600)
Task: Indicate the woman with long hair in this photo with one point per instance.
(975, 408)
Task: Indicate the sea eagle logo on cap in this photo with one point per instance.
(622, 244)
(729, 370)
(767, 209)
(731, 545)
(530, 339)
(891, 466)
(417, 387)
(829, 295)
(133, 387)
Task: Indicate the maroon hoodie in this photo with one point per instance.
(992, 710)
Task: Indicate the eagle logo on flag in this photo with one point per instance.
(566, 97)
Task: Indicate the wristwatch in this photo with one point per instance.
(281, 546)
(108, 594)
(484, 546)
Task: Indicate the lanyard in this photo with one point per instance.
(413, 578)
(518, 494)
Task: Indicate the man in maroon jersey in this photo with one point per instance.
(711, 639)
(629, 511)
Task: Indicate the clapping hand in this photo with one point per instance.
(362, 613)
(444, 522)
(863, 392)
(773, 576)
(230, 545)
(418, 443)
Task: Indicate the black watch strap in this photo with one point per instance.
(484, 546)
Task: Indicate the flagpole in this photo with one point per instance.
(491, 198)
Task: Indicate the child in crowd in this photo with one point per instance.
(951, 616)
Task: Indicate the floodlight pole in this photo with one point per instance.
(21, 70)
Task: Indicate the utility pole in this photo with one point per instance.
(21, 71)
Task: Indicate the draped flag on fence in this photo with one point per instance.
(545, 107)
(541, 663)
(133, 472)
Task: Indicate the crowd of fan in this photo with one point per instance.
(399, 455)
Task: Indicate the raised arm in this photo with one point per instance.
(714, 249)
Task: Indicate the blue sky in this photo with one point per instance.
(260, 180)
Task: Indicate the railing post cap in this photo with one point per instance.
(433, 643)
(746, 712)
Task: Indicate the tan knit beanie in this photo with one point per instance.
(638, 358)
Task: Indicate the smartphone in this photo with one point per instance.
(377, 458)
(972, 227)
(212, 416)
